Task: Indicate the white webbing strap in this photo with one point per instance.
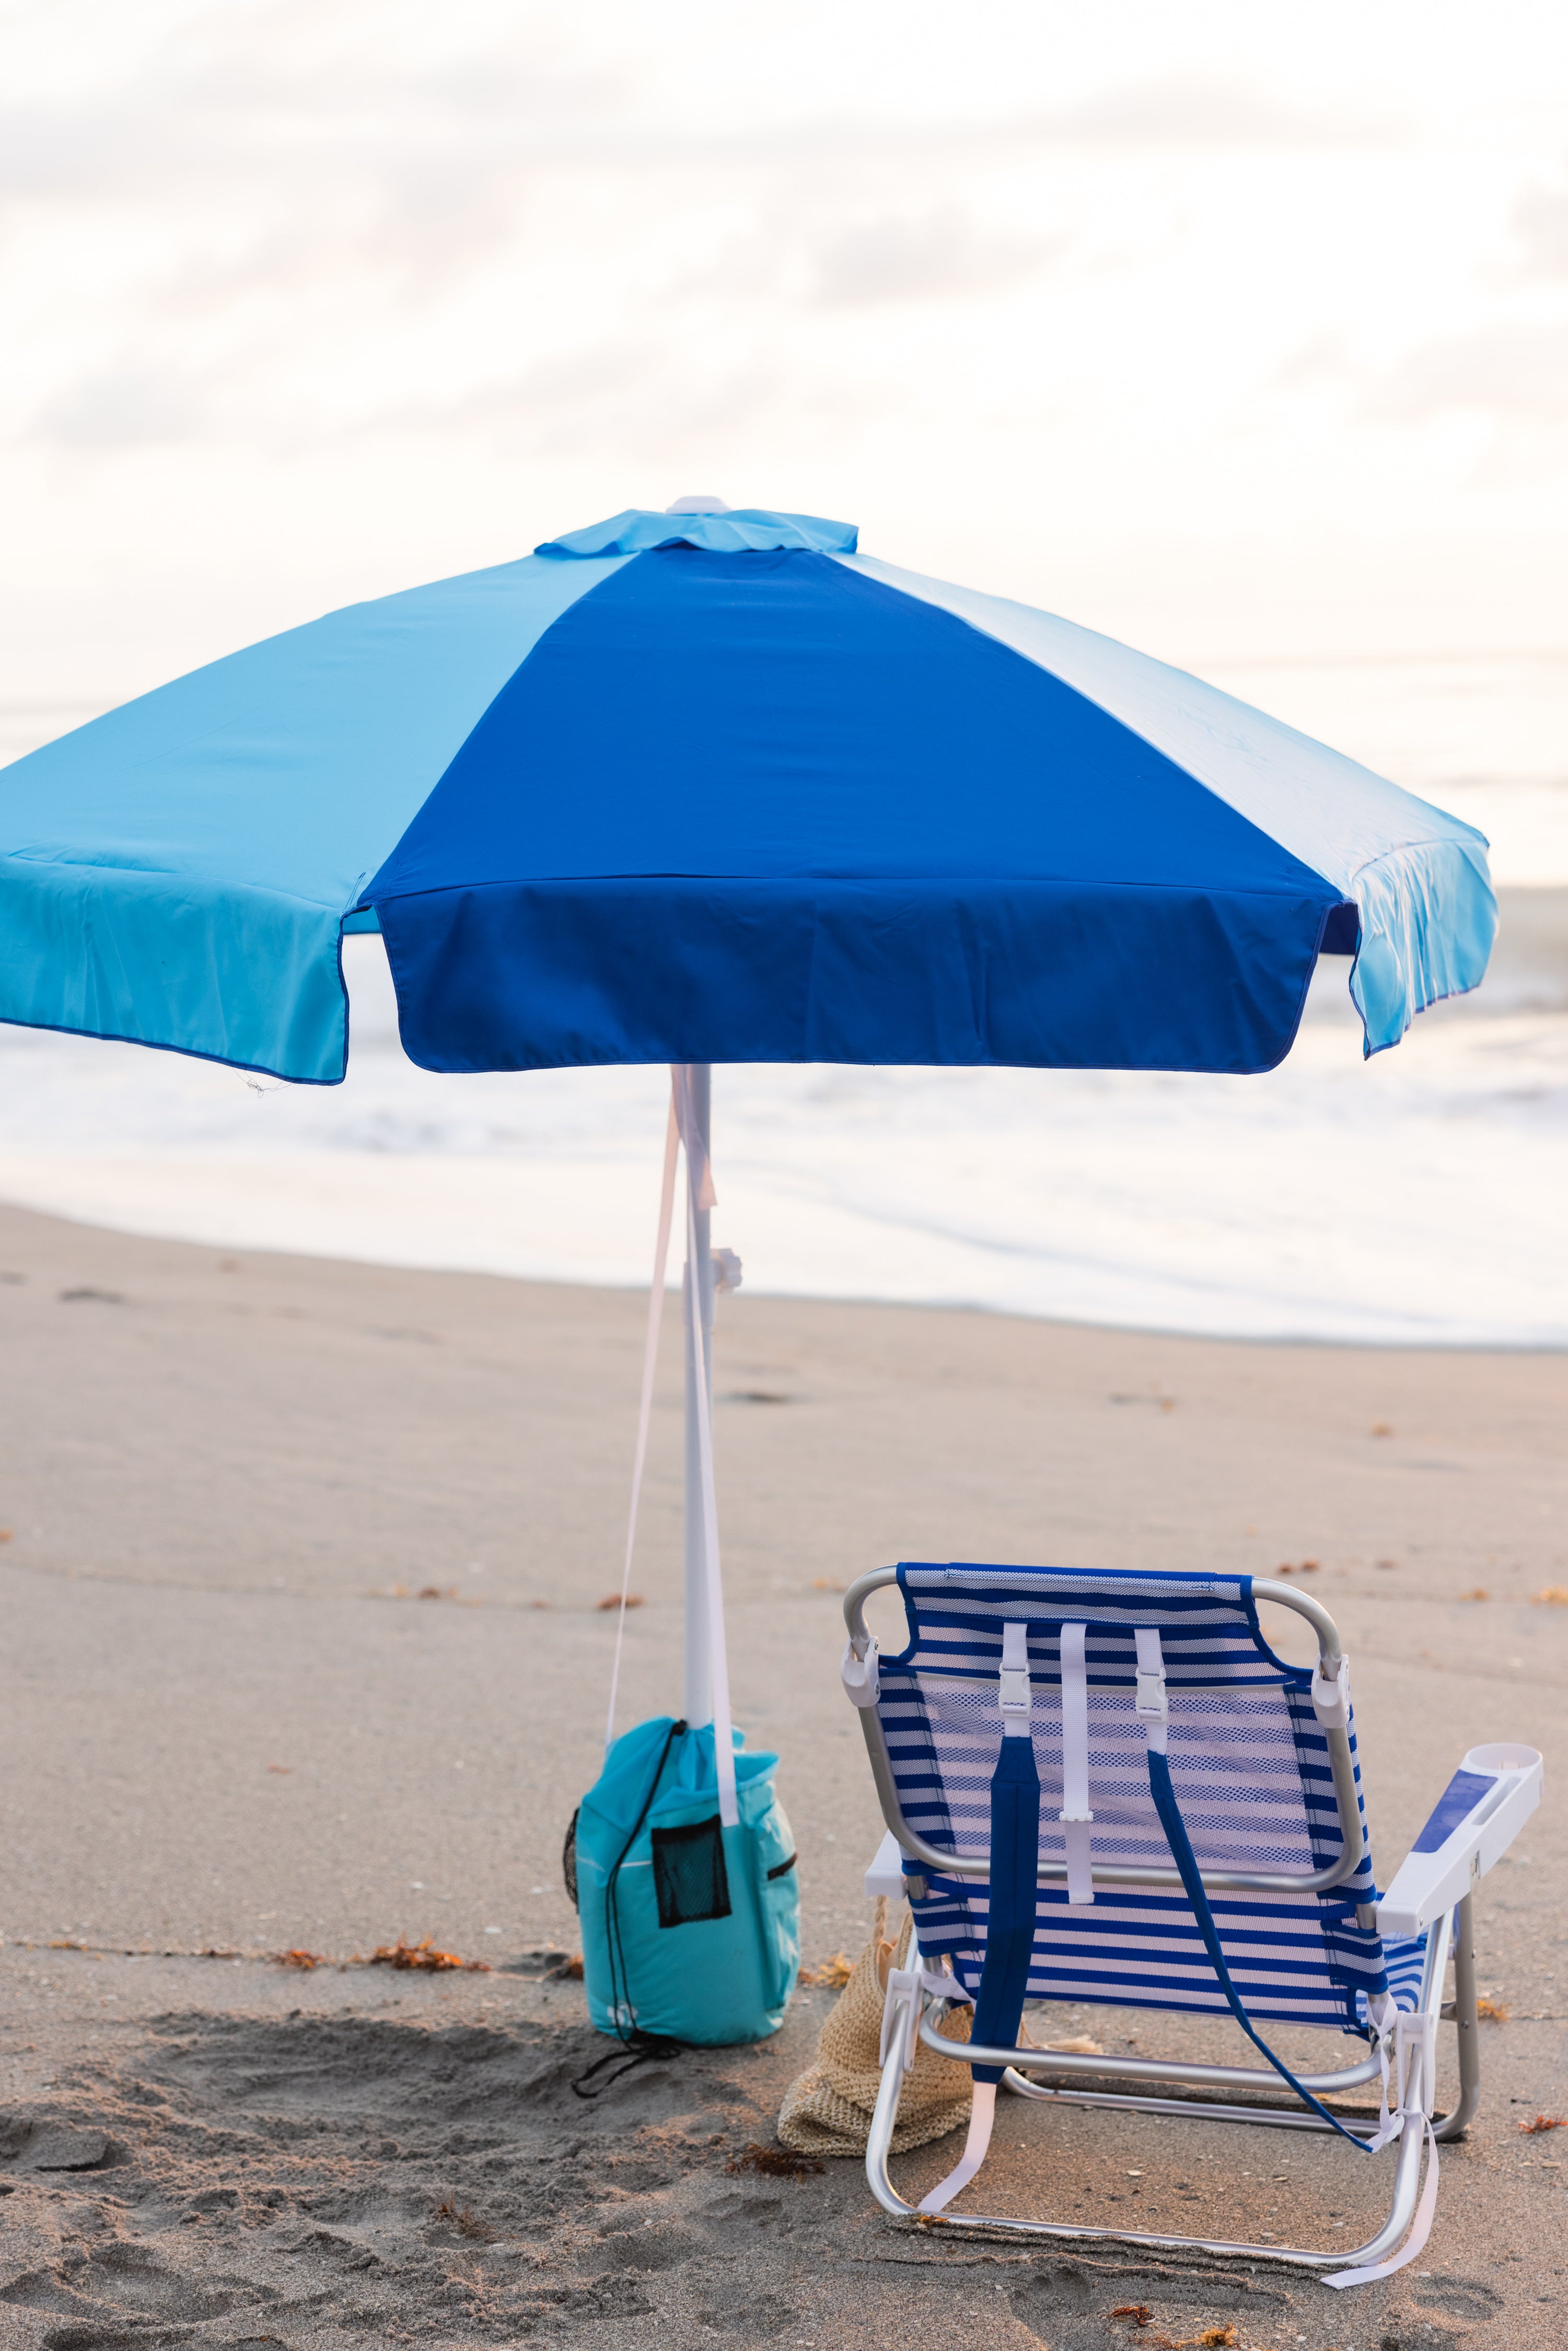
(1382, 2014)
(1075, 1815)
(1420, 2226)
(644, 1410)
(700, 1193)
(1414, 2054)
(982, 2114)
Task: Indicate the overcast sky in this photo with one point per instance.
(1239, 330)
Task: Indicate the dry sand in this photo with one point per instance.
(229, 1727)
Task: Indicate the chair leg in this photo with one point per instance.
(1407, 2170)
(883, 2121)
(1453, 2126)
(1402, 2208)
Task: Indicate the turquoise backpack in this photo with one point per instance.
(691, 1931)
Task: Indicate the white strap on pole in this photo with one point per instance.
(1075, 1815)
(699, 1192)
(699, 1164)
(649, 1359)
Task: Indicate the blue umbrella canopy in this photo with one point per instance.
(700, 787)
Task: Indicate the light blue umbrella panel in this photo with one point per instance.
(715, 787)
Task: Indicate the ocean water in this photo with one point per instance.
(1417, 1197)
(1421, 1197)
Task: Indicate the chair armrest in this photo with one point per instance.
(1480, 1813)
(885, 1875)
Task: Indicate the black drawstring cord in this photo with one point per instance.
(637, 2048)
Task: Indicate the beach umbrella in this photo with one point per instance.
(710, 786)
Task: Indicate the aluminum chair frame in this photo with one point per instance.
(1449, 1934)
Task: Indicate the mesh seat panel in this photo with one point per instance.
(1248, 1762)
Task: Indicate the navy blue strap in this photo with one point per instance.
(1009, 1926)
(1164, 1794)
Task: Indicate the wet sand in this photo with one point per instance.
(231, 1726)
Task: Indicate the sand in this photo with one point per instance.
(230, 1726)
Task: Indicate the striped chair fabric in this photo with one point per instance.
(1249, 1764)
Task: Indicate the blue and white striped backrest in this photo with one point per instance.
(1248, 1762)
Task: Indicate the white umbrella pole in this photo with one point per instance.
(698, 1301)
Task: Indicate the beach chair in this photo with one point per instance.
(1108, 1788)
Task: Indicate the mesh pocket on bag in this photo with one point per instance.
(689, 1875)
(569, 1858)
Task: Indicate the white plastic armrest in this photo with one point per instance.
(885, 1875)
(1481, 1810)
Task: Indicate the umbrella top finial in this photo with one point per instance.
(709, 525)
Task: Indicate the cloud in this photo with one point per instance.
(259, 102)
(1179, 112)
(118, 408)
(415, 153)
(1324, 358)
(659, 401)
(912, 260)
(1541, 223)
(1518, 370)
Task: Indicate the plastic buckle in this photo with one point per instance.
(1151, 1699)
(1014, 1689)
